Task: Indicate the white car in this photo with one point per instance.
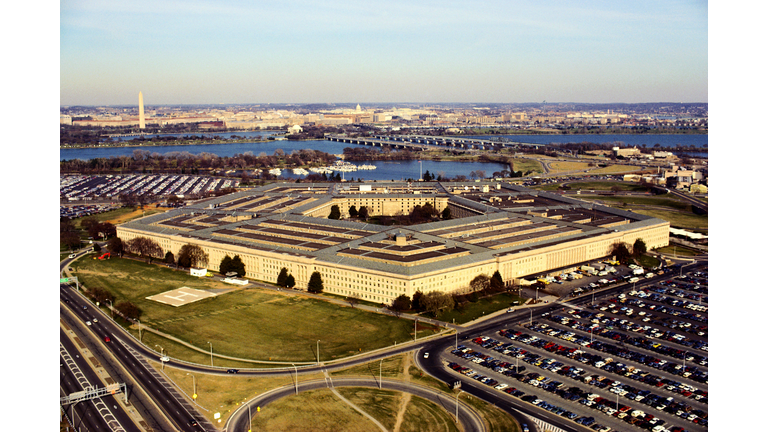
(95, 320)
(426, 355)
(87, 323)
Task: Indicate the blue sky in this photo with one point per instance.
(296, 51)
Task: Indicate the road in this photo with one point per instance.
(176, 409)
(129, 352)
(468, 417)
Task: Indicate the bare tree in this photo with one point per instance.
(192, 256)
(145, 248)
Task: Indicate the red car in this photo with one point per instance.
(107, 339)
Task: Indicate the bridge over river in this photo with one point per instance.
(425, 142)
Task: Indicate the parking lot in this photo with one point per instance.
(638, 358)
(82, 187)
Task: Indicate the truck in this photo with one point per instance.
(638, 271)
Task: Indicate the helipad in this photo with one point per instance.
(180, 296)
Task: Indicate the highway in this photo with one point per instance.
(176, 410)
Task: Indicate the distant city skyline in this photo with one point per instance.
(240, 52)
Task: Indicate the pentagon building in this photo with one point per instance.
(494, 226)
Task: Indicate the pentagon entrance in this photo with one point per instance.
(180, 296)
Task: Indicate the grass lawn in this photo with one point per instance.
(678, 212)
(525, 165)
(648, 261)
(567, 166)
(678, 250)
(472, 311)
(245, 323)
(605, 186)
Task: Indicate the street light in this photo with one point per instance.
(297, 377)
(139, 328)
(113, 310)
(162, 354)
(457, 405)
(194, 386)
(380, 373)
(318, 351)
(211, 353)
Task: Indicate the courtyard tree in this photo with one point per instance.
(353, 211)
(192, 256)
(363, 213)
(290, 281)
(446, 214)
(169, 259)
(335, 212)
(315, 284)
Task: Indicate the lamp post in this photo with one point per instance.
(318, 351)
(380, 373)
(296, 371)
(139, 329)
(194, 386)
(112, 310)
(457, 405)
(162, 354)
(211, 353)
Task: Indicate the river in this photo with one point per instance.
(385, 170)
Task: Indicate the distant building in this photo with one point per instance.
(626, 152)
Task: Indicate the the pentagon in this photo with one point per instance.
(494, 226)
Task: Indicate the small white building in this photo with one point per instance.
(295, 129)
(199, 272)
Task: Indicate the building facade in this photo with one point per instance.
(505, 228)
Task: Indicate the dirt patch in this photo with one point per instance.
(406, 396)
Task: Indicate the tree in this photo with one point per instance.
(226, 265)
(639, 248)
(101, 295)
(290, 281)
(416, 301)
(352, 211)
(363, 213)
(335, 212)
(128, 310)
(353, 300)
(192, 256)
(169, 258)
(480, 283)
(145, 248)
(96, 248)
(115, 246)
(401, 303)
(315, 284)
(282, 277)
(237, 266)
(436, 302)
(621, 252)
(497, 283)
(446, 214)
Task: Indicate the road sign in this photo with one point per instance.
(194, 396)
(63, 280)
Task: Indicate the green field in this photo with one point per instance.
(674, 210)
(245, 323)
(474, 310)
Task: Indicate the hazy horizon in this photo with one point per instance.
(303, 52)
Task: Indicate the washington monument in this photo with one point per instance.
(141, 111)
